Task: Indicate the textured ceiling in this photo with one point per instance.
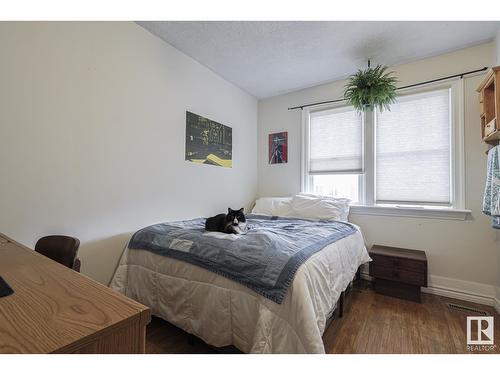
(271, 58)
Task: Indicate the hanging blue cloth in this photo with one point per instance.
(491, 199)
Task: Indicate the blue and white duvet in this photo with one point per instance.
(224, 312)
(265, 259)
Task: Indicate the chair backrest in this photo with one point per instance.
(62, 249)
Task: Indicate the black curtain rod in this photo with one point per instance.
(461, 75)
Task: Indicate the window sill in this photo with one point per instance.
(415, 212)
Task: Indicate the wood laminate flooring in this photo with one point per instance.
(372, 323)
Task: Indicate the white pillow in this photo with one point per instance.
(311, 206)
(273, 206)
(340, 200)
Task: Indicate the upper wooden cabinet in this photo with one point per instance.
(489, 101)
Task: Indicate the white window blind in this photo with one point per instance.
(413, 149)
(335, 141)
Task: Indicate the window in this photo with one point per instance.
(338, 185)
(410, 156)
(335, 161)
(413, 145)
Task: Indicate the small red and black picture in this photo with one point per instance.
(278, 148)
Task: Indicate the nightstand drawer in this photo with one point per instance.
(395, 274)
(399, 263)
(399, 290)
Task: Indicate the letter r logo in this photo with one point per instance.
(483, 334)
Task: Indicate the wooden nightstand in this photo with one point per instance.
(398, 272)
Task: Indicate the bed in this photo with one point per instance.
(223, 311)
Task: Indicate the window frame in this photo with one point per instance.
(306, 178)
(367, 181)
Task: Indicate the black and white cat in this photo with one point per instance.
(232, 222)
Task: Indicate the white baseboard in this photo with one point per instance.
(497, 305)
(497, 300)
(459, 289)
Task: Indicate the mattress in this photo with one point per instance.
(223, 312)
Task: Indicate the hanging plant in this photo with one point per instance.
(371, 88)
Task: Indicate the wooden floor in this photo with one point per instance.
(372, 323)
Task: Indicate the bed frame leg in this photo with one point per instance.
(358, 274)
(341, 305)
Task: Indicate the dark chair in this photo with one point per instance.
(62, 249)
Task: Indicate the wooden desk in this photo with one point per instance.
(57, 310)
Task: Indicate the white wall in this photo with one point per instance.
(92, 127)
(497, 39)
(462, 254)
